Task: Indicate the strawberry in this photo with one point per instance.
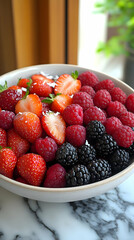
(3, 138)
(14, 87)
(23, 82)
(8, 162)
(18, 144)
(58, 102)
(41, 85)
(32, 168)
(67, 84)
(31, 103)
(28, 126)
(55, 126)
(37, 77)
(9, 98)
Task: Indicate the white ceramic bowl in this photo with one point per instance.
(62, 194)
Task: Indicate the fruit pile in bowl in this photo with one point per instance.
(66, 132)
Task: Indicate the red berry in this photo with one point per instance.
(73, 114)
(94, 113)
(130, 103)
(55, 126)
(31, 103)
(111, 124)
(88, 78)
(32, 168)
(127, 119)
(21, 180)
(18, 144)
(105, 84)
(83, 99)
(115, 109)
(6, 119)
(3, 138)
(28, 126)
(117, 94)
(41, 87)
(124, 136)
(55, 177)
(102, 98)
(76, 135)
(88, 89)
(9, 98)
(8, 162)
(47, 148)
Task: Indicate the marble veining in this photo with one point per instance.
(106, 217)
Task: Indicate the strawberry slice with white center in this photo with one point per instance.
(67, 84)
(31, 103)
(55, 126)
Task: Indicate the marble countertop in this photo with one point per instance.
(107, 217)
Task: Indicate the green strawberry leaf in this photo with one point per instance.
(28, 87)
(3, 87)
(75, 74)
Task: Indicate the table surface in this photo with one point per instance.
(106, 217)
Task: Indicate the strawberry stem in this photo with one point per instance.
(75, 75)
(28, 87)
(3, 87)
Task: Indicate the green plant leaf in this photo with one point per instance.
(75, 74)
(3, 87)
(28, 87)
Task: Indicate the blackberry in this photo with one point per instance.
(86, 153)
(99, 169)
(77, 176)
(130, 150)
(95, 129)
(67, 155)
(119, 160)
(106, 145)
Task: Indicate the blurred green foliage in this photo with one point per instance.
(121, 15)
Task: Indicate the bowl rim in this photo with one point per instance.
(67, 189)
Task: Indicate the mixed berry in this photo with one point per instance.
(65, 132)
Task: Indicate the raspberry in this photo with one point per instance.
(73, 114)
(124, 136)
(105, 84)
(130, 103)
(88, 78)
(76, 135)
(89, 90)
(111, 124)
(94, 113)
(102, 98)
(127, 119)
(6, 119)
(46, 147)
(116, 109)
(118, 95)
(83, 99)
(55, 177)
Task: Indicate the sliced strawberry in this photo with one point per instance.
(55, 126)
(67, 84)
(36, 77)
(28, 126)
(31, 103)
(58, 102)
